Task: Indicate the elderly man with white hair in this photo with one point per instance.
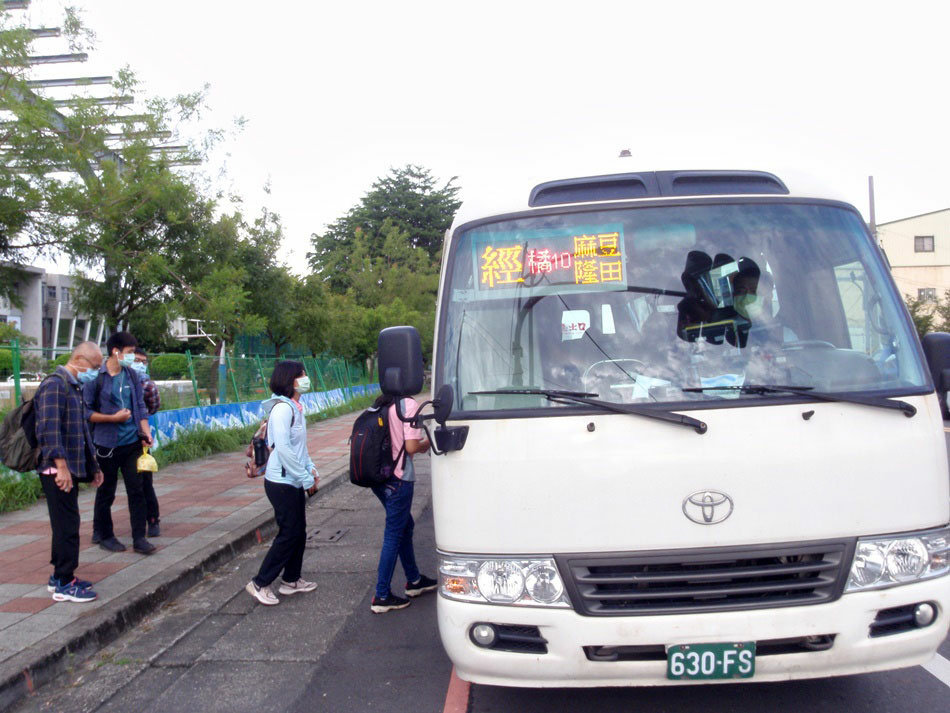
(67, 458)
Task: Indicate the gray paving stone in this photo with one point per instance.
(240, 603)
(93, 554)
(8, 618)
(214, 686)
(127, 557)
(269, 634)
(186, 512)
(140, 693)
(37, 592)
(187, 650)
(15, 590)
(122, 581)
(89, 690)
(326, 560)
(8, 542)
(156, 635)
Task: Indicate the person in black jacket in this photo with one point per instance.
(116, 409)
(67, 457)
(153, 403)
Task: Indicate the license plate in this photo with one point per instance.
(686, 662)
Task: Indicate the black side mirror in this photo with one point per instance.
(442, 406)
(400, 361)
(937, 350)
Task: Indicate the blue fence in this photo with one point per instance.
(166, 425)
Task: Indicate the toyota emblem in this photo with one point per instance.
(707, 507)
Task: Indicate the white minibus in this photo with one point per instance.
(687, 434)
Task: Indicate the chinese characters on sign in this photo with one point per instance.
(583, 258)
(501, 266)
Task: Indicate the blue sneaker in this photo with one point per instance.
(53, 583)
(72, 592)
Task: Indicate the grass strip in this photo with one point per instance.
(18, 491)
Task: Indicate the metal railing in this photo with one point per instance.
(184, 380)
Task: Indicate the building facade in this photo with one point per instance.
(918, 249)
(48, 314)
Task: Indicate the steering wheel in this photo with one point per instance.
(611, 370)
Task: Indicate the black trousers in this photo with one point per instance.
(286, 551)
(121, 458)
(151, 500)
(64, 520)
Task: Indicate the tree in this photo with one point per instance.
(942, 310)
(8, 333)
(36, 141)
(84, 179)
(922, 313)
(276, 292)
(409, 199)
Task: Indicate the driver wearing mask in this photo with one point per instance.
(752, 298)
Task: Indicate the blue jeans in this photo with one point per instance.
(396, 497)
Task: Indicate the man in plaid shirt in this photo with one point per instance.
(67, 457)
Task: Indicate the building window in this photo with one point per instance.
(64, 294)
(927, 294)
(51, 292)
(923, 243)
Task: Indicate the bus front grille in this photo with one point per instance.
(706, 580)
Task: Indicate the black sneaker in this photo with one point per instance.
(381, 606)
(154, 530)
(111, 544)
(95, 538)
(421, 586)
(143, 547)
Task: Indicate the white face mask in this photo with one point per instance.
(751, 307)
(302, 384)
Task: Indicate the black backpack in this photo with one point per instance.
(19, 448)
(371, 453)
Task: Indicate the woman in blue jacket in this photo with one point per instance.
(290, 476)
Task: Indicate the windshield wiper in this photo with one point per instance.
(580, 397)
(809, 391)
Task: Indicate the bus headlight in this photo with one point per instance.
(888, 561)
(502, 580)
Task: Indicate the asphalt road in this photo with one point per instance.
(215, 649)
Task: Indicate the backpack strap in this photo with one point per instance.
(384, 411)
(43, 383)
(292, 415)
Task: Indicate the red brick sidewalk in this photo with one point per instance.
(200, 502)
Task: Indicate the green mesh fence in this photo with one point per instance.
(184, 379)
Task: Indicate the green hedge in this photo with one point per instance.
(6, 362)
(166, 367)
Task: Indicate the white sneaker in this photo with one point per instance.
(301, 585)
(262, 594)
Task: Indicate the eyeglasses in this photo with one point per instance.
(89, 362)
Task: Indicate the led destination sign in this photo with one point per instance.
(549, 261)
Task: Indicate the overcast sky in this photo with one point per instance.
(337, 93)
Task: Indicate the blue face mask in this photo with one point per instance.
(88, 375)
(126, 359)
(140, 367)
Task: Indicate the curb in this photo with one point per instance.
(21, 675)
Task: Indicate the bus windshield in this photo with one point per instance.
(637, 305)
